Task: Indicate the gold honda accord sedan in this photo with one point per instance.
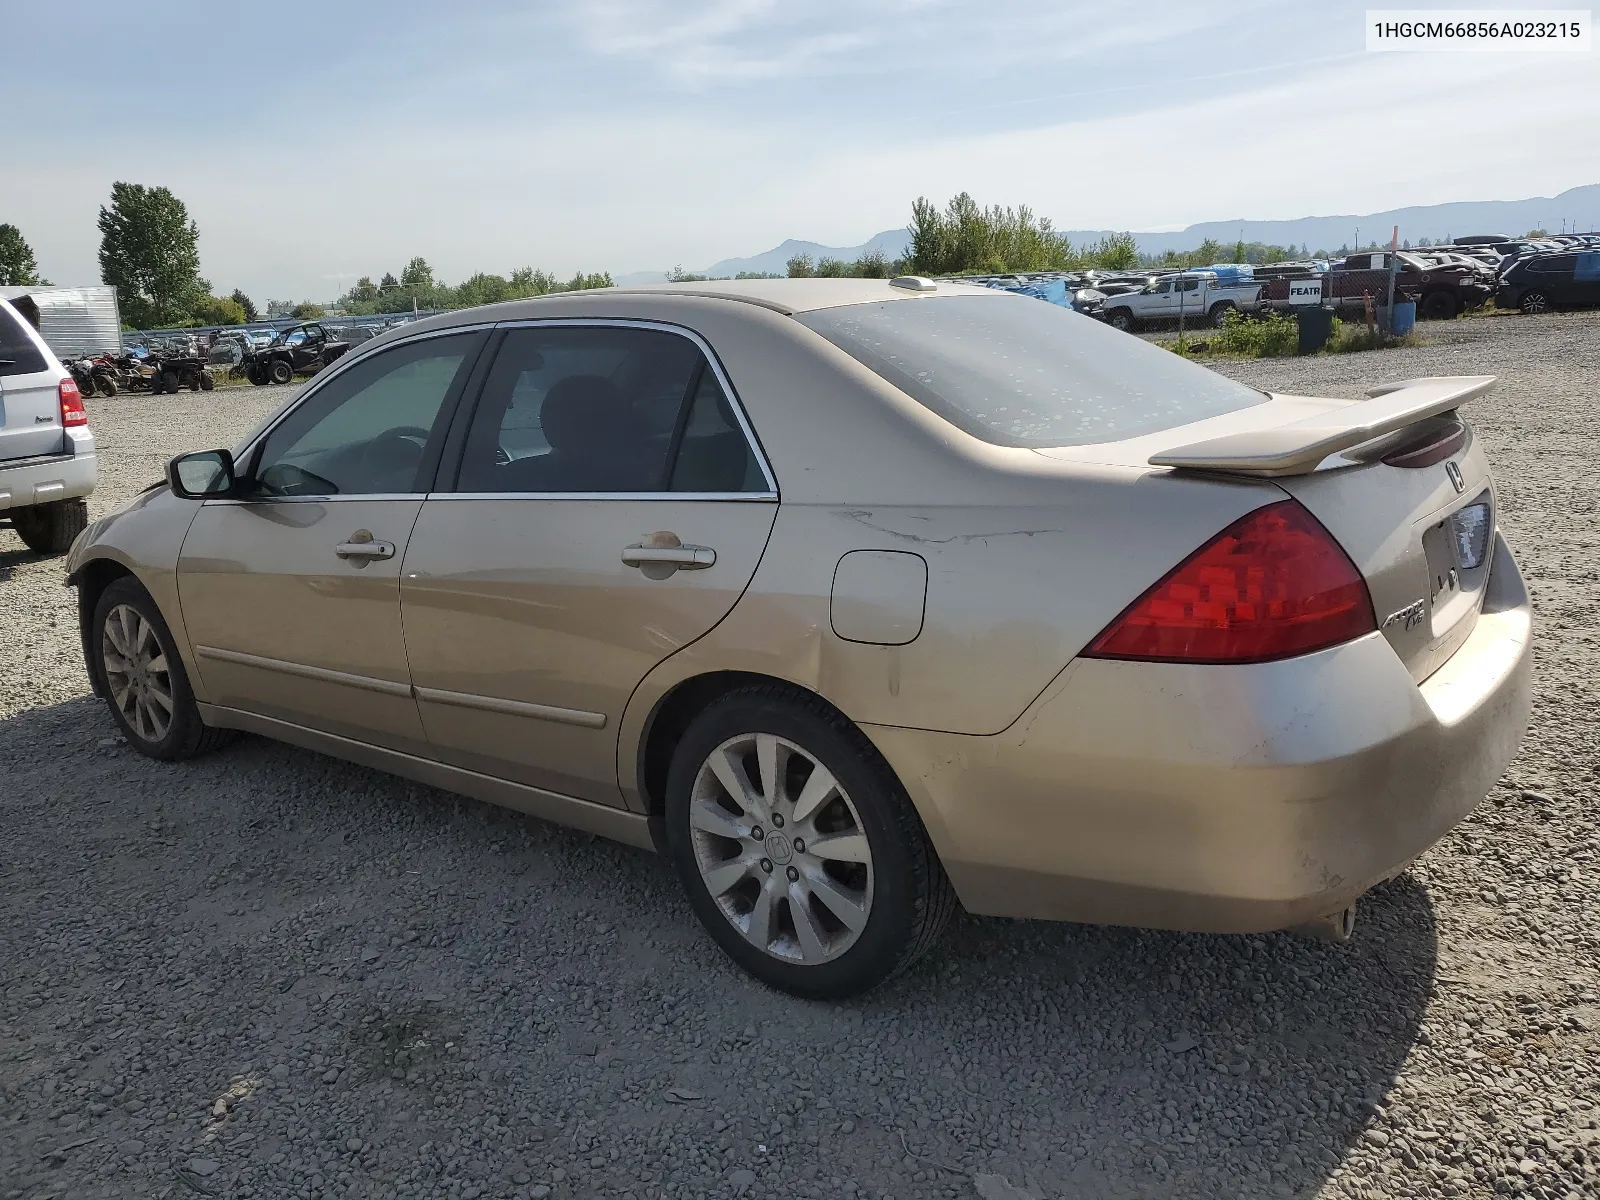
(857, 599)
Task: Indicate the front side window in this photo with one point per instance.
(1014, 371)
(603, 409)
(366, 431)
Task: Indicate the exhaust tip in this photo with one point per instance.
(1336, 927)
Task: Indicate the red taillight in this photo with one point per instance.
(72, 411)
(1272, 585)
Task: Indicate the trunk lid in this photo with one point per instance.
(1421, 535)
(1398, 479)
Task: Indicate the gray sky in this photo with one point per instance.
(317, 143)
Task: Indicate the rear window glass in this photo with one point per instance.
(18, 354)
(1015, 371)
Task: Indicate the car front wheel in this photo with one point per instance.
(136, 664)
(800, 851)
(1534, 302)
(281, 372)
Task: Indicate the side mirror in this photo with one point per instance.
(201, 475)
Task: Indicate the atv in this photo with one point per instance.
(298, 350)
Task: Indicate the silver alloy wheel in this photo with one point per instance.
(136, 672)
(1534, 302)
(781, 849)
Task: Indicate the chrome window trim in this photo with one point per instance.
(683, 331)
(337, 499)
(318, 382)
(760, 497)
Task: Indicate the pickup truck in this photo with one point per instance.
(1192, 296)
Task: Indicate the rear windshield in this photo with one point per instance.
(18, 354)
(1014, 371)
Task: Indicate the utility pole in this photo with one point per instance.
(1394, 262)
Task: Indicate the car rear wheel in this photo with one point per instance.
(800, 851)
(136, 664)
(50, 528)
(1219, 313)
(281, 372)
(167, 383)
(1121, 318)
(1534, 302)
(1440, 306)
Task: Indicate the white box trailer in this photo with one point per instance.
(73, 321)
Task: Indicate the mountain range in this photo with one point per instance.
(1575, 208)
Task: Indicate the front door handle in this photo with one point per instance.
(661, 554)
(362, 548)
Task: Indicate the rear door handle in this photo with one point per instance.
(661, 554)
(363, 548)
(685, 558)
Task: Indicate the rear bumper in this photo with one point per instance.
(50, 477)
(1224, 799)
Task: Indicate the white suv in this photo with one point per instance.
(47, 463)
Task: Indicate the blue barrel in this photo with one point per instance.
(1405, 317)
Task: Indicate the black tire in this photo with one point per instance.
(1533, 303)
(1219, 313)
(207, 381)
(50, 528)
(167, 382)
(1440, 306)
(281, 372)
(1121, 318)
(911, 898)
(257, 374)
(186, 735)
(105, 385)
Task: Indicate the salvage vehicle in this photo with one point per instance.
(1442, 290)
(47, 458)
(857, 599)
(298, 350)
(1540, 282)
(1193, 295)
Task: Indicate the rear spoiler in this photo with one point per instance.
(1297, 448)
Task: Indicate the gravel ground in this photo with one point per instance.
(272, 974)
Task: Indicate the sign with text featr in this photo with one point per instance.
(1305, 291)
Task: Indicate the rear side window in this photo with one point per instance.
(1554, 264)
(18, 354)
(1014, 371)
(604, 409)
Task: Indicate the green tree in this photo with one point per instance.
(364, 292)
(679, 275)
(245, 305)
(220, 310)
(1536, 233)
(388, 281)
(581, 282)
(800, 267)
(1119, 252)
(17, 265)
(482, 289)
(758, 275)
(418, 274)
(832, 268)
(525, 281)
(306, 311)
(873, 265)
(964, 238)
(149, 251)
(1208, 252)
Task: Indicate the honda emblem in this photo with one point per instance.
(1454, 472)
